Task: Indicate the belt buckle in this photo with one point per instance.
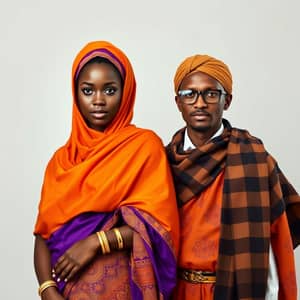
(198, 276)
(195, 276)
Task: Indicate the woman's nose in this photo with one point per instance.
(99, 98)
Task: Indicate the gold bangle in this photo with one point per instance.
(101, 242)
(105, 241)
(119, 238)
(46, 284)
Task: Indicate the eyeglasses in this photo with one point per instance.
(190, 96)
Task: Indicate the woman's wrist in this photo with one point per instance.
(110, 240)
(46, 285)
(49, 293)
(111, 237)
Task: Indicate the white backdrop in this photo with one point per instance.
(258, 39)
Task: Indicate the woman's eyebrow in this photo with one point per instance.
(86, 82)
(106, 83)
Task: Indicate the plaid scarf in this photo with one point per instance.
(255, 194)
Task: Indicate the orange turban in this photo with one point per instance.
(206, 64)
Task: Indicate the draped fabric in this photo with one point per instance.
(205, 64)
(100, 171)
(200, 234)
(103, 172)
(255, 194)
(147, 272)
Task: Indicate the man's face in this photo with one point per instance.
(200, 116)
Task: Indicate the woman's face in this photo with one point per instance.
(99, 93)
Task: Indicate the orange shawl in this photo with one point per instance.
(102, 171)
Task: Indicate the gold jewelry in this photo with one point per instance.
(105, 241)
(194, 276)
(119, 238)
(46, 284)
(101, 242)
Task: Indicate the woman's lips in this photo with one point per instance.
(99, 114)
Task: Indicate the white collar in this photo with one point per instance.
(188, 144)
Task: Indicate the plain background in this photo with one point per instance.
(258, 39)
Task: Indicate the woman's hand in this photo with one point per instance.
(75, 258)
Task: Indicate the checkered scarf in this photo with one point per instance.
(255, 194)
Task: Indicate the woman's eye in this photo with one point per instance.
(110, 91)
(87, 91)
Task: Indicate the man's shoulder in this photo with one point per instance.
(244, 136)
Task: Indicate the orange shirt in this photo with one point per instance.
(199, 240)
(284, 257)
(200, 229)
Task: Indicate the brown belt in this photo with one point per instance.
(193, 276)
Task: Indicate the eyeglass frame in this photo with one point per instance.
(202, 93)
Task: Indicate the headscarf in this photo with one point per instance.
(206, 64)
(102, 171)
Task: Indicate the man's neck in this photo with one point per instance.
(199, 138)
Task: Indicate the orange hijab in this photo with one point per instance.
(101, 171)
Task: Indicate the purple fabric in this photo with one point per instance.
(77, 229)
(136, 293)
(162, 258)
(123, 73)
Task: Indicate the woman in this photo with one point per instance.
(107, 226)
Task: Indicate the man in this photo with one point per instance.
(240, 217)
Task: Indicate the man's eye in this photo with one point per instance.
(190, 94)
(187, 94)
(110, 91)
(87, 91)
(212, 94)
